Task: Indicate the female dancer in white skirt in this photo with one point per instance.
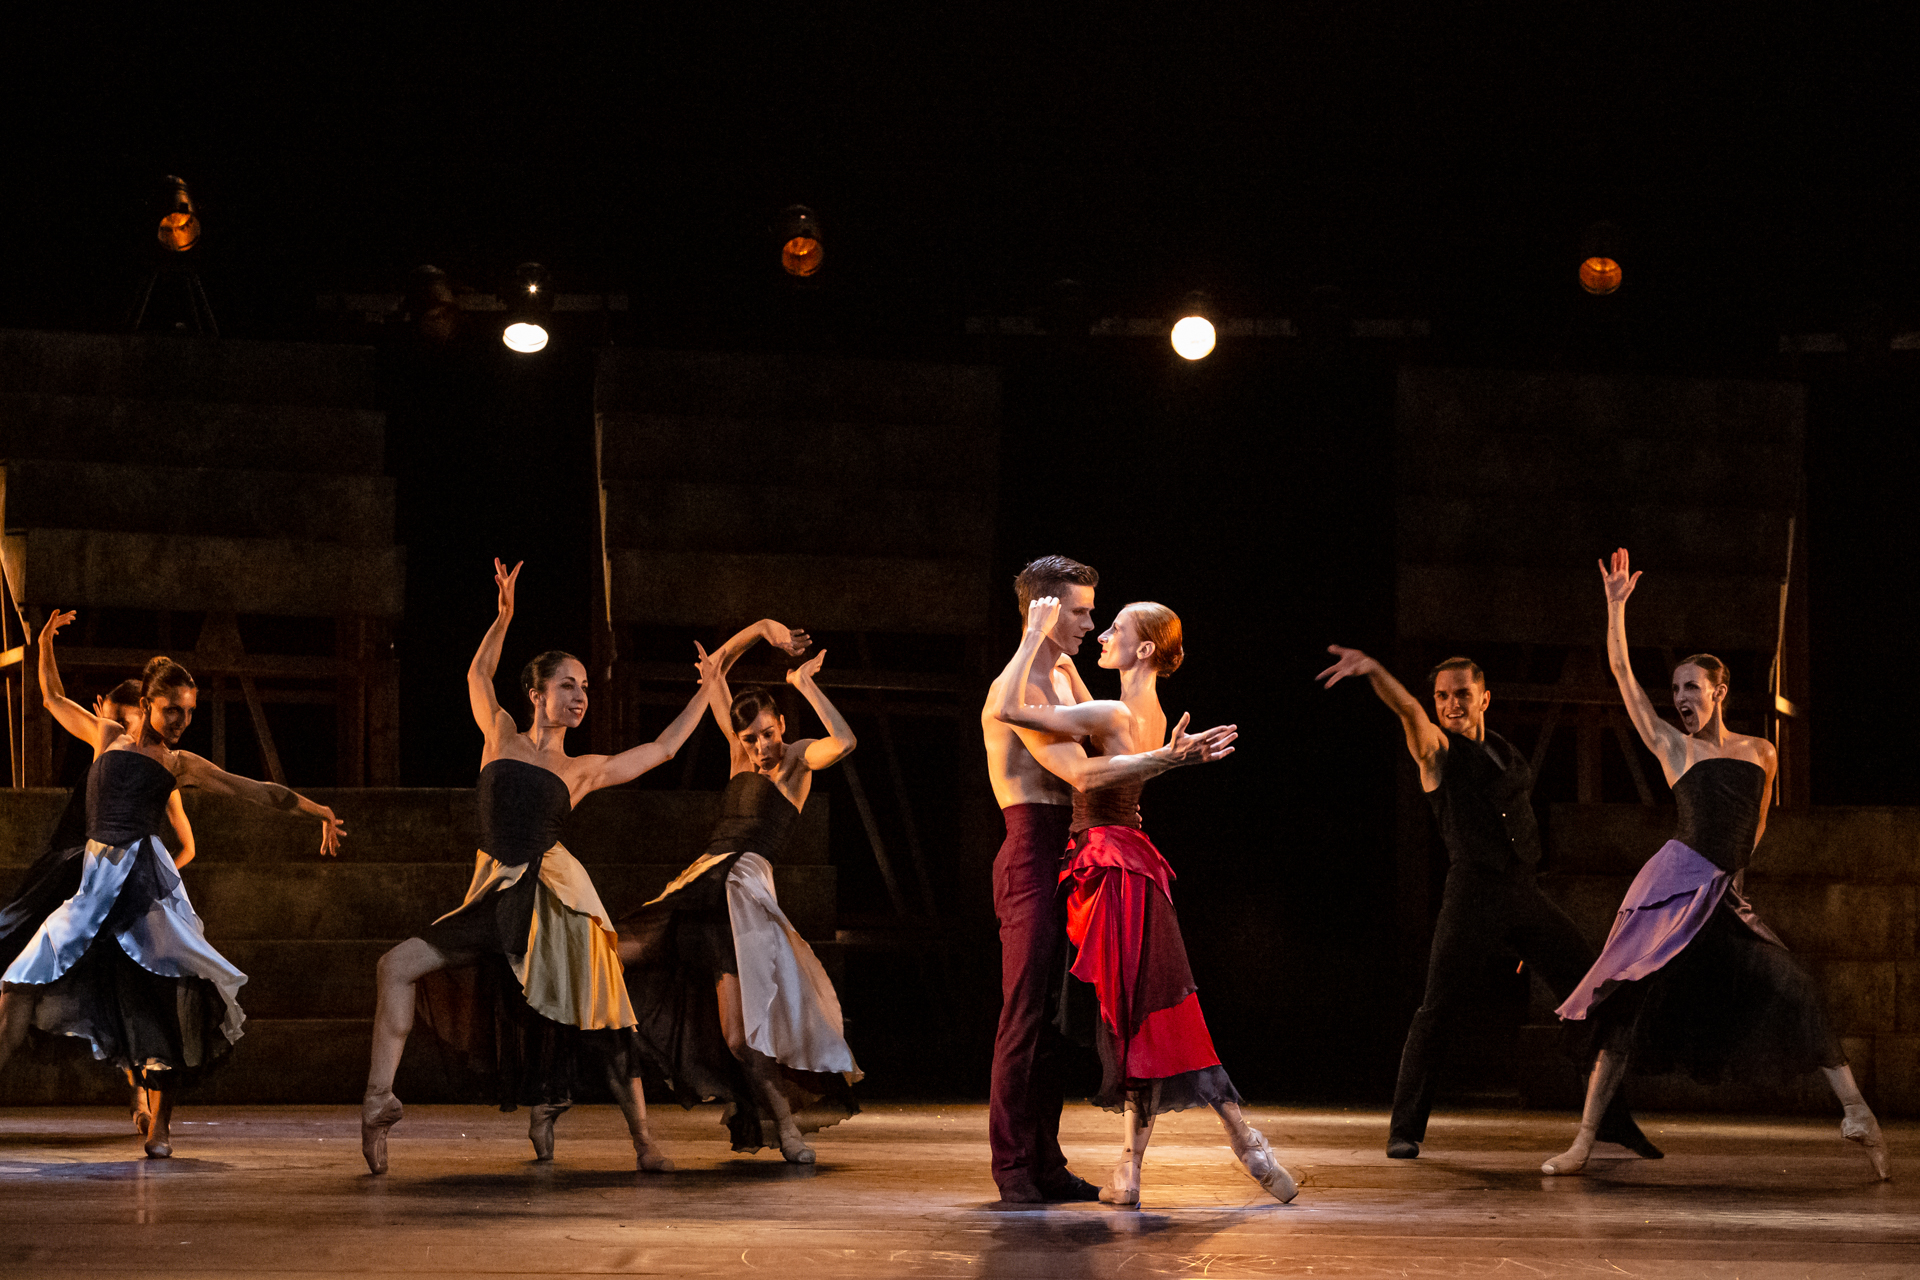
(732, 1003)
(124, 962)
(523, 975)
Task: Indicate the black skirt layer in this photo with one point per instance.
(166, 1031)
(685, 946)
(1732, 1005)
(523, 1057)
(497, 923)
(51, 880)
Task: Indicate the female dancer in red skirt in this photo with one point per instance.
(1155, 1052)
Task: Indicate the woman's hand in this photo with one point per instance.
(1200, 748)
(1618, 581)
(709, 667)
(505, 581)
(1352, 663)
(331, 831)
(791, 641)
(56, 620)
(803, 675)
(1042, 614)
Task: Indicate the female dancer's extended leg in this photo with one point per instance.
(1255, 1153)
(1857, 1123)
(762, 1071)
(1136, 1118)
(399, 970)
(1609, 1069)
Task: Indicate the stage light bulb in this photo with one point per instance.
(179, 228)
(525, 338)
(1193, 337)
(1600, 275)
(802, 256)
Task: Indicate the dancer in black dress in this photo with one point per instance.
(1690, 979)
(123, 962)
(532, 944)
(732, 1003)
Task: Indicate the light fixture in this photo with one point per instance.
(1193, 334)
(802, 247)
(179, 228)
(1600, 272)
(529, 303)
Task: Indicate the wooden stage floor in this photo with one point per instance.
(903, 1191)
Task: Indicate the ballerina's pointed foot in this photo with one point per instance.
(1256, 1156)
(1573, 1160)
(540, 1127)
(1123, 1188)
(795, 1149)
(648, 1158)
(1860, 1127)
(159, 1149)
(376, 1117)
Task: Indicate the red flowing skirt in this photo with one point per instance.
(1121, 921)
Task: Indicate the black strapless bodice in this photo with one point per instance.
(1719, 801)
(127, 797)
(754, 818)
(522, 808)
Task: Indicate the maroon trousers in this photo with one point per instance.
(1023, 1124)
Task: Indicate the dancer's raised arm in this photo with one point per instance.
(1426, 743)
(821, 753)
(1048, 730)
(1667, 743)
(492, 718)
(611, 771)
(93, 729)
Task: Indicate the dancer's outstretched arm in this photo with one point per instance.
(1049, 731)
(196, 771)
(789, 640)
(611, 771)
(1668, 744)
(94, 730)
(820, 753)
(1426, 743)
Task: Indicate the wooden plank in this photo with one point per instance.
(1728, 412)
(262, 732)
(745, 674)
(265, 665)
(819, 519)
(200, 501)
(76, 567)
(821, 593)
(1548, 530)
(178, 368)
(798, 387)
(1520, 605)
(901, 453)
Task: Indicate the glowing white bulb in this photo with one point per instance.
(1193, 338)
(525, 338)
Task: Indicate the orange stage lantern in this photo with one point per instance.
(1600, 275)
(802, 248)
(179, 228)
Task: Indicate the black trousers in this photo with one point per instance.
(1483, 914)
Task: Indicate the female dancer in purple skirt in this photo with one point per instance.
(1689, 977)
(123, 961)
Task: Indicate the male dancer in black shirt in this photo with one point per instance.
(1481, 790)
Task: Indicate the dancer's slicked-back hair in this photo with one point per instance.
(1716, 670)
(749, 703)
(541, 667)
(126, 693)
(1161, 625)
(1045, 577)
(1467, 665)
(163, 677)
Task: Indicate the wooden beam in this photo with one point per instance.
(260, 665)
(890, 681)
(262, 732)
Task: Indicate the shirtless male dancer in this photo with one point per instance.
(1033, 777)
(1481, 791)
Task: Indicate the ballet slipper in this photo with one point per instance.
(795, 1148)
(1256, 1156)
(648, 1158)
(1573, 1159)
(142, 1111)
(159, 1140)
(1860, 1127)
(1123, 1188)
(1402, 1149)
(540, 1118)
(376, 1118)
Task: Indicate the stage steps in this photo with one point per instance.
(309, 931)
(1840, 885)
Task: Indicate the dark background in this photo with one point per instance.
(1314, 161)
